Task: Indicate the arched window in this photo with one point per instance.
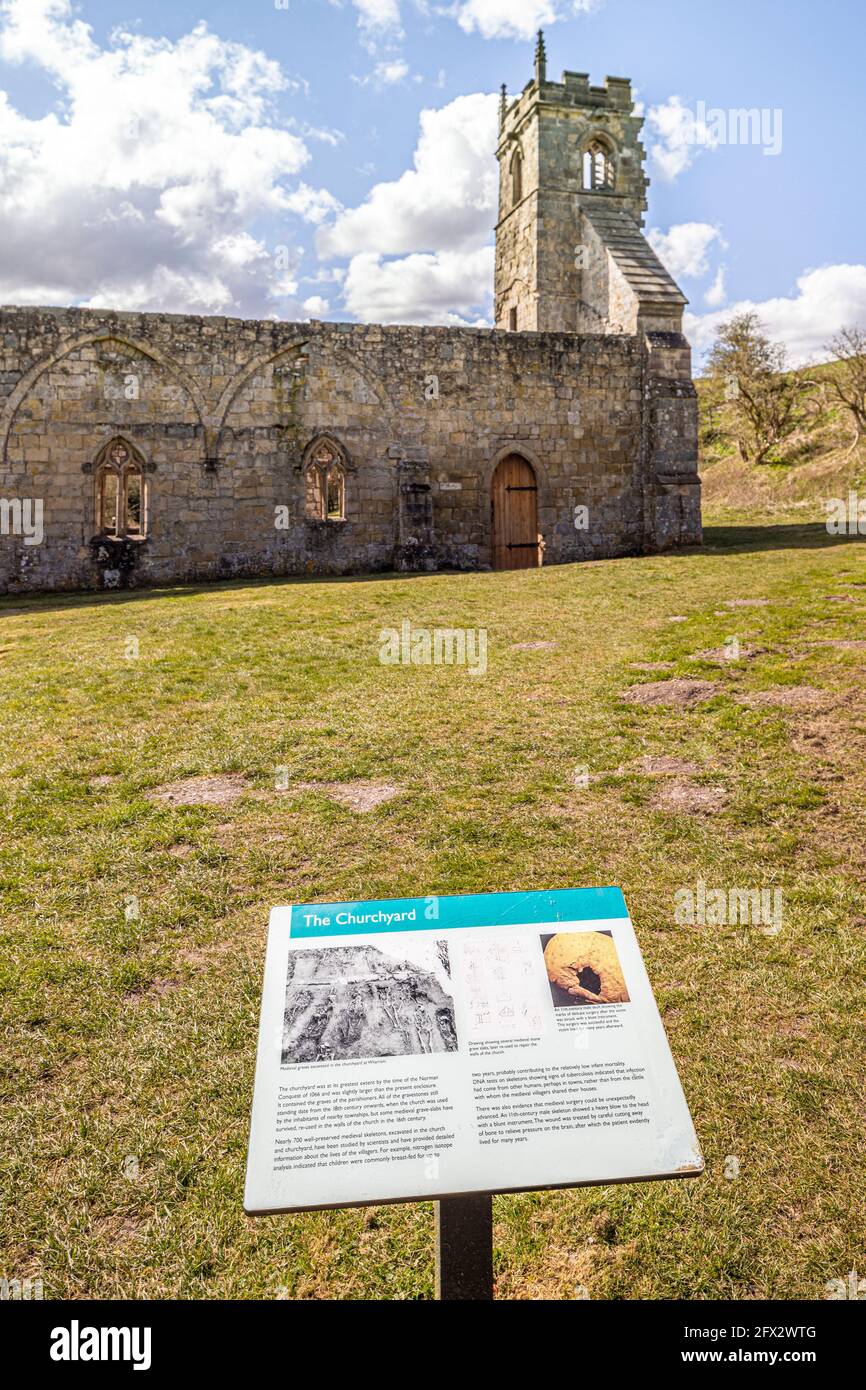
(326, 483)
(335, 496)
(598, 170)
(516, 178)
(120, 492)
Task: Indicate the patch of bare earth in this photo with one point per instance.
(533, 646)
(201, 791)
(156, 988)
(199, 957)
(650, 667)
(786, 697)
(105, 780)
(798, 1027)
(842, 644)
(680, 692)
(683, 797)
(666, 766)
(837, 735)
(834, 743)
(357, 796)
(747, 602)
(724, 656)
(661, 765)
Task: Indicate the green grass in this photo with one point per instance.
(135, 1040)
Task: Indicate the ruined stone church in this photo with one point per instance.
(157, 448)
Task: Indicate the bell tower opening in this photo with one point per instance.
(570, 148)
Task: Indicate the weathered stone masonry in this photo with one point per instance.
(246, 448)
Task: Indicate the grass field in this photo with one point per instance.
(129, 1032)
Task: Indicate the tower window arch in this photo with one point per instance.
(121, 492)
(325, 475)
(598, 167)
(516, 171)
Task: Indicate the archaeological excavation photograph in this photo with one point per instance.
(346, 1002)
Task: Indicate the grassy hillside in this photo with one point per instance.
(133, 927)
(816, 462)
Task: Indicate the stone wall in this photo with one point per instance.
(224, 412)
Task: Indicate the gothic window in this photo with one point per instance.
(516, 178)
(335, 496)
(120, 492)
(107, 506)
(133, 501)
(326, 484)
(597, 167)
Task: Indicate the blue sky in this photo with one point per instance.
(335, 160)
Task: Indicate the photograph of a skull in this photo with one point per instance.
(584, 968)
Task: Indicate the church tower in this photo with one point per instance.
(570, 255)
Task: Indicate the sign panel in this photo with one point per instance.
(423, 1047)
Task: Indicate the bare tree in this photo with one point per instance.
(846, 376)
(765, 399)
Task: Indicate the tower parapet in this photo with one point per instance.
(570, 255)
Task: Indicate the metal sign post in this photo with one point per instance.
(464, 1248)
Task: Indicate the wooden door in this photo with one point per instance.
(514, 507)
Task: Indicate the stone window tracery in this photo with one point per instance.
(326, 484)
(120, 492)
(598, 167)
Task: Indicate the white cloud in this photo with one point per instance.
(378, 23)
(426, 288)
(316, 305)
(438, 216)
(445, 202)
(826, 300)
(378, 14)
(312, 204)
(514, 19)
(138, 190)
(390, 72)
(683, 248)
(385, 74)
(677, 137)
(498, 19)
(492, 19)
(717, 293)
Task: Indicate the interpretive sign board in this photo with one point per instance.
(417, 1048)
